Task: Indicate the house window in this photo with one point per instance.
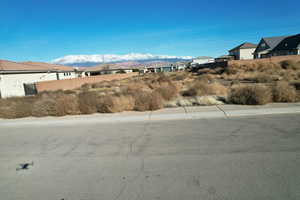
(67, 73)
(263, 45)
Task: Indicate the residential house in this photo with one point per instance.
(18, 79)
(288, 46)
(266, 46)
(157, 69)
(243, 52)
(224, 58)
(202, 60)
(103, 69)
(162, 67)
(180, 66)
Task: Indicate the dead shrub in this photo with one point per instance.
(263, 78)
(290, 64)
(206, 78)
(148, 101)
(283, 92)
(235, 82)
(87, 102)
(23, 109)
(67, 105)
(16, 107)
(289, 75)
(67, 92)
(232, 69)
(44, 107)
(296, 85)
(86, 86)
(218, 89)
(201, 88)
(99, 85)
(168, 91)
(7, 109)
(131, 89)
(162, 77)
(180, 76)
(250, 95)
(263, 66)
(112, 104)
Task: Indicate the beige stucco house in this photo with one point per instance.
(243, 52)
(18, 79)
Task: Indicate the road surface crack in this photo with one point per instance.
(143, 135)
(223, 111)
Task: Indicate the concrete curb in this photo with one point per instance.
(167, 114)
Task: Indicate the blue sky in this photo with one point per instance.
(41, 30)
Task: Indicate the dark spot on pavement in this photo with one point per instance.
(24, 166)
(212, 190)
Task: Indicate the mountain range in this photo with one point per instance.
(93, 60)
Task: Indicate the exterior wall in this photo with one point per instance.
(70, 84)
(66, 75)
(261, 47)
(285, 52)
(181, 67)
(80, 74)
(128, 70)
(246, 54)
(12, 84)
(202, 61)
(235, 53)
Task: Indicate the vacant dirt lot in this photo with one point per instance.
(255, 82)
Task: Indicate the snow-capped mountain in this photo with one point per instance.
(91, 60)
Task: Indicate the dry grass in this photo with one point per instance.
(67, 105)
(232, 69)
(200, 88)
(208, 78)
(263, 72)
(179, 76)
(88, 102)
(15, 107)
(148, 101)
(290, 64)
(168, 91)
(264, 78)
(44, 107)
(112, 104)
(283, 92)
(250, 95)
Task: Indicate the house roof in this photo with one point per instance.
(51, 66)
(31, 66)
(245, 45)
(203, 57)
(289, 43)
(225, 56)
(272, 42)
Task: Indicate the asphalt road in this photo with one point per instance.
(255, 157)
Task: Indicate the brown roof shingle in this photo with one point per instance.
(31, 66)
(245, 45)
